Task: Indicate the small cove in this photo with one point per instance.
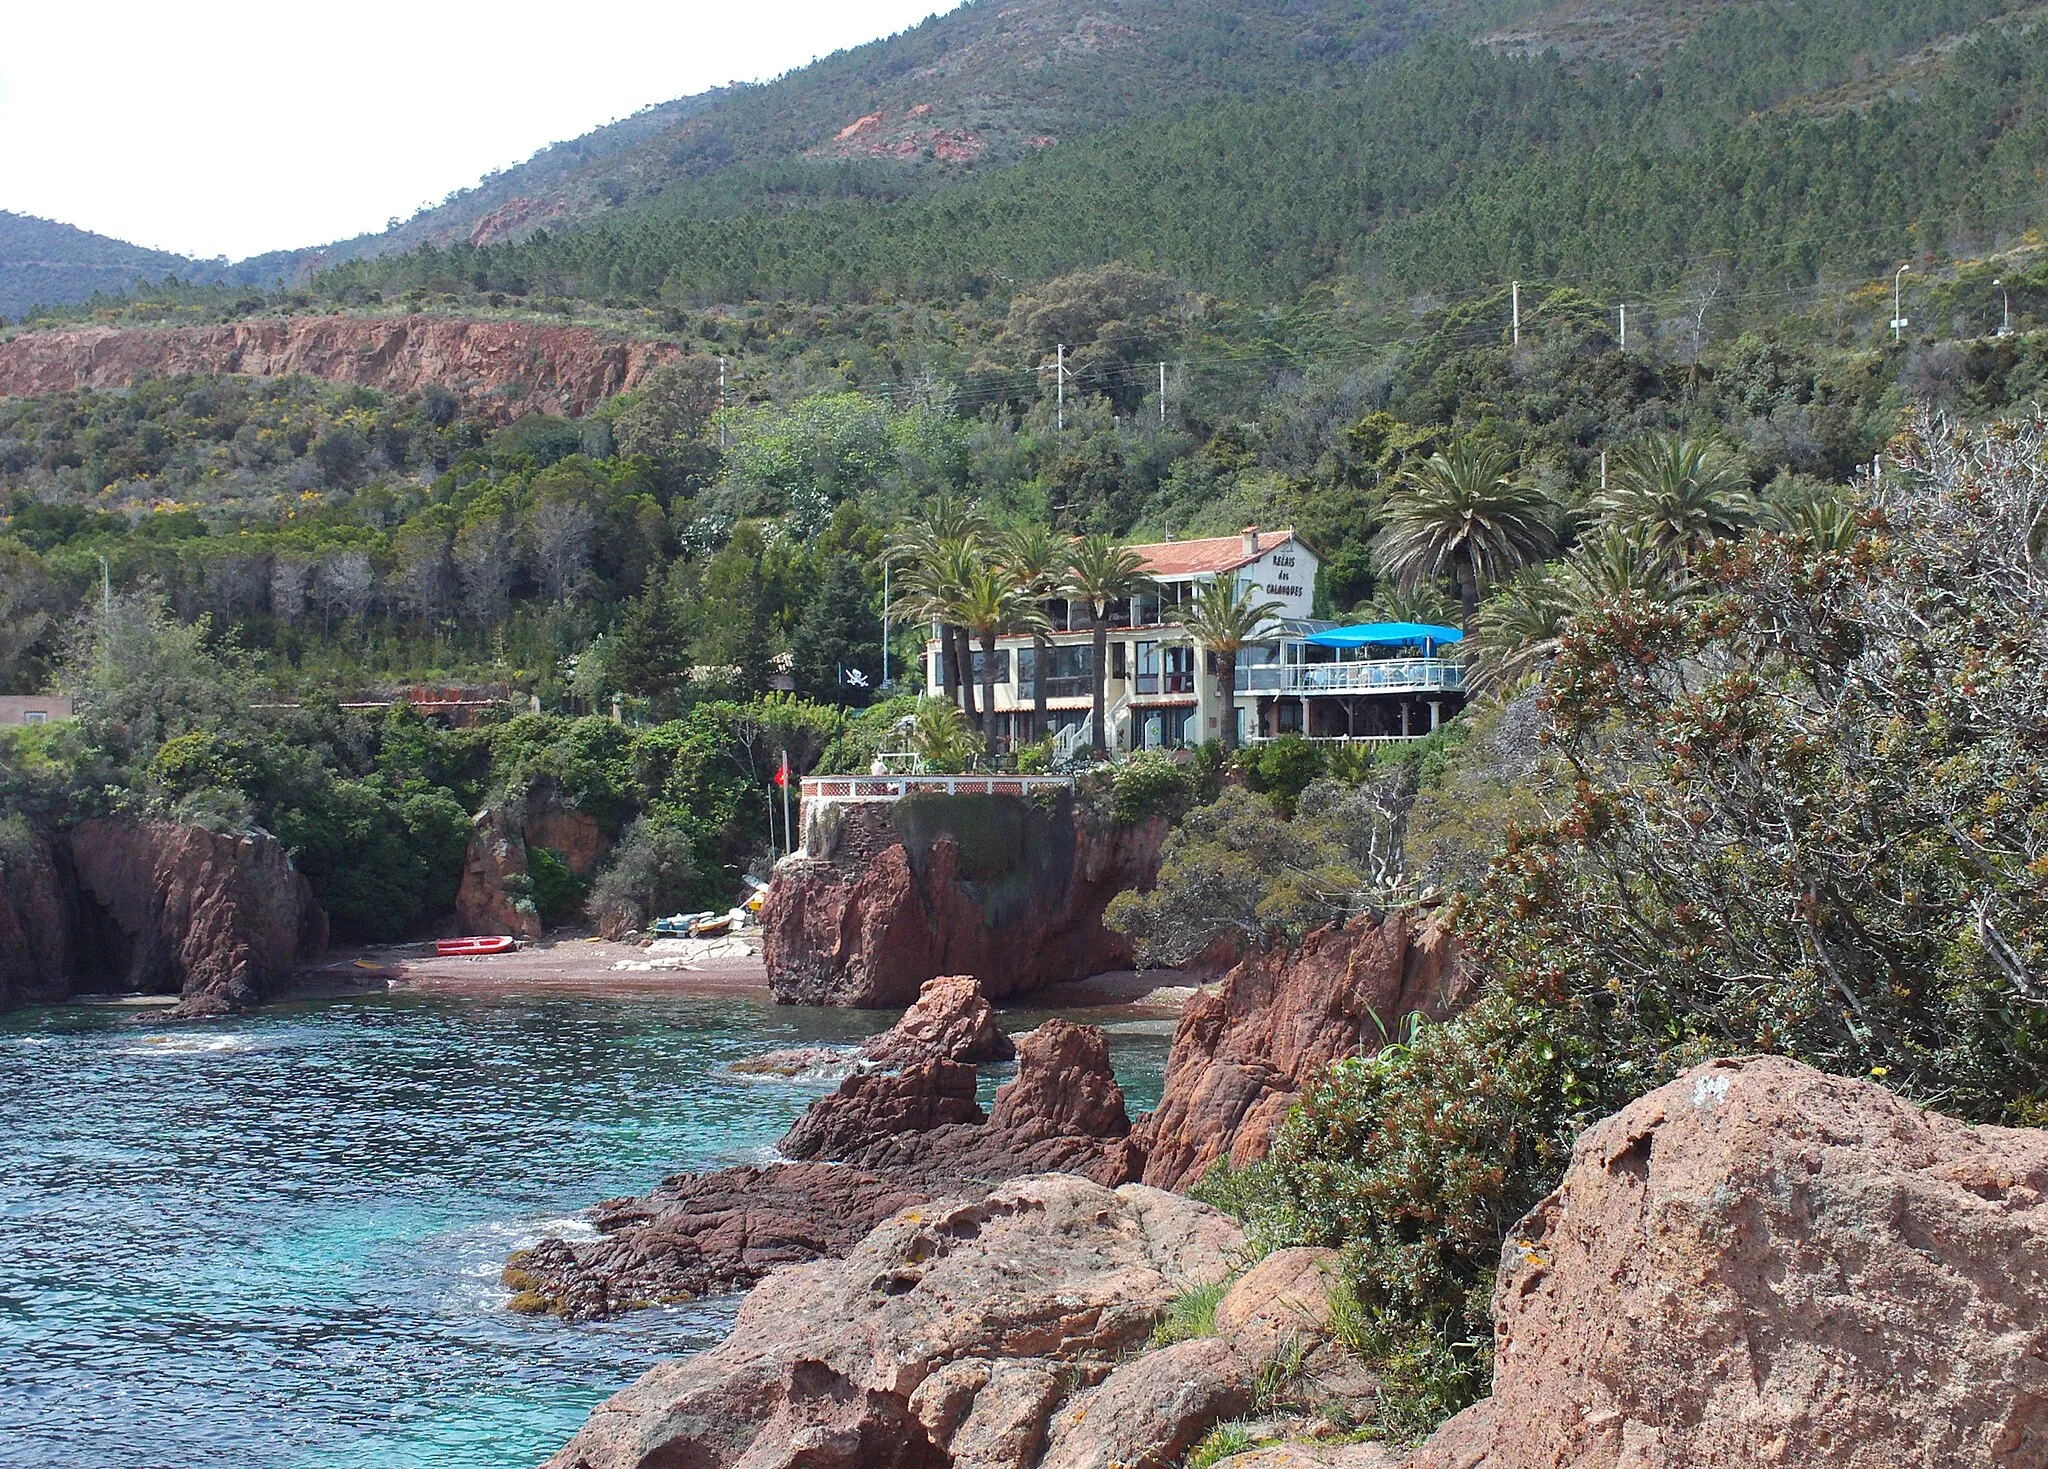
(275, 1241)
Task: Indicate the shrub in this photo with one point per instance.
(1282, 769)
(557, 892)
(1145, 785)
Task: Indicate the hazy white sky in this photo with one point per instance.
(224, 127)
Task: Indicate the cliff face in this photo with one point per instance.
(887, 895)
(35, 927)
(218, 920)
(496, 895)
(1242, 1053)
(505, 367)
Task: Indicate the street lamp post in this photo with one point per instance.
(1898, 317)
(2005, 326)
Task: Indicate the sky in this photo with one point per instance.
(221, 127)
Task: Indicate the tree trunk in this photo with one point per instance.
(965, 653)
(949, 665)
(1468, 593)
(1101, 680)
(1226, 684)
(1041, 655)
(988, 693)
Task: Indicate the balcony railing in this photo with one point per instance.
(1372, 676)
(896, 787)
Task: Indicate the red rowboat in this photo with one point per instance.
(497, 943)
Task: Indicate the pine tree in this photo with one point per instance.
(841, 630)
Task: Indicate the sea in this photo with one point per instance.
(274, 1242)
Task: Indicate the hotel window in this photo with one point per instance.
(1148, 668)
(1180, 670)
(1002, 665)
(1027, 673)
(1070, 672)
(35, 716)
(1119, 660)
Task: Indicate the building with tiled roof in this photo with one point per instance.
(1161, 689)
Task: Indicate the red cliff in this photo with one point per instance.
(508, 368)
(1009, 889)
(1243, 1052)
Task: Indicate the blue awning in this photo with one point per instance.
(1386, 635)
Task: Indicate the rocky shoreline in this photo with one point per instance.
(1755, 1264)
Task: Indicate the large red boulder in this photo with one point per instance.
(1009, 889)
(1761, 1264)
(1242, 1053)
(218, 918)
(951, 1021)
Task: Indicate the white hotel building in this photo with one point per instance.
(1162, 690)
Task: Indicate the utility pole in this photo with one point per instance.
(788, 831)
(1515, 298)
(106, 615)
(1162, 395)
(2005, 326)
(1061, 387)
(1603, 471)
(885, 622)
(1898, 315)
(721, 404)
(1624, 326)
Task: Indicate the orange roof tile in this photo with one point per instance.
(1216, 553)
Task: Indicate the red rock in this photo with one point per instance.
(35, 927)
(1286, 1295)
(1760, 1264)
(885, 896)
(701, 1233)
(495, 895)
(220, 919)
(895, 1138)
(871, 1106)
(507, 368)
(1151, 1410)
(1064, 1086)
(957, 1322)
(951, 1021)
(548, 819)
(1241, 1054)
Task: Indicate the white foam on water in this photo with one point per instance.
(190, 1045)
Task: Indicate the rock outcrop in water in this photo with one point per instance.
(508, 368)
(1009, 889)
(156, 908)
(951, 1335)
(1757, 1264)
(883, 1140)
(219, 919)
(1243, 1052)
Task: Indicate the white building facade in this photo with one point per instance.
(1162, 689)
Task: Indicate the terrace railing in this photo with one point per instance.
(1371, 676)
(896, 787)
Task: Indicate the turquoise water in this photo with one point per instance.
(275, 1241)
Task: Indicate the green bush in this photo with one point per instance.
(1281, 769)
(1147, 784)
(558, 893)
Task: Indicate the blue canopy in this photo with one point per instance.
(1386, 635)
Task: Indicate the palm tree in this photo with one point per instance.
(1617, 562)
(1520, 627)
(1468, 514)
(992, 602)
(1100, 572)
(1038, 559)
(1223, 619)
(1683, 494)
(1425, 603)
(932, 550)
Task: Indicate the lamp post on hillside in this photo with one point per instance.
(2005, 326)
(1898, 318)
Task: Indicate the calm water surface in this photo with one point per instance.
(275, 1242)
